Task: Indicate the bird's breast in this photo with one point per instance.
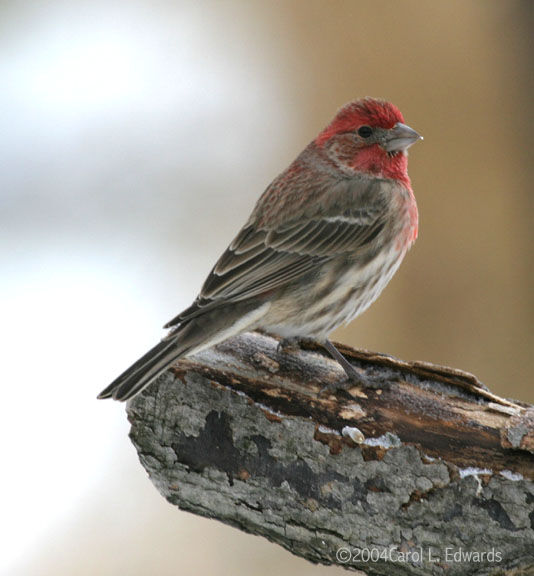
(341, 294)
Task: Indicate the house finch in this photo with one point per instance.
(321, 244)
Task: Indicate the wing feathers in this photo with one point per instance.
(264, 258)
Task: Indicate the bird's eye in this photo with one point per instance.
(365, 131)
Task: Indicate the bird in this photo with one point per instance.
(322, 242)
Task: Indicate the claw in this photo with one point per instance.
(353, 378)
(292, 343)
(287, 345)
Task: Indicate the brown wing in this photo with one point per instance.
(264, 258)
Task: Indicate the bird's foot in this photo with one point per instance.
(354, 378)
(293, 344)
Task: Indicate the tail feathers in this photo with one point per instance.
(144, 371)
(203, 331)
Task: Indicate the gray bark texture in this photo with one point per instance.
(423, 471)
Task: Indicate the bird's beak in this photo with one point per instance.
(400, 137)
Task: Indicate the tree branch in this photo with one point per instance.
(410, 476)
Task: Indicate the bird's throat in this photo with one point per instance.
(375, 160)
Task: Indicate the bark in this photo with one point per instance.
(423, 471)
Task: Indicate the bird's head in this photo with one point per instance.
(370, 136)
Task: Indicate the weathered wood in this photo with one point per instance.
(419, 471)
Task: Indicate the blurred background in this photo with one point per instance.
(136, 137)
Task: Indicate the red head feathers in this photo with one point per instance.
(367, 111)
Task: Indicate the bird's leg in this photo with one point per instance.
(351, 372)
(293, 343)
(353, 376)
